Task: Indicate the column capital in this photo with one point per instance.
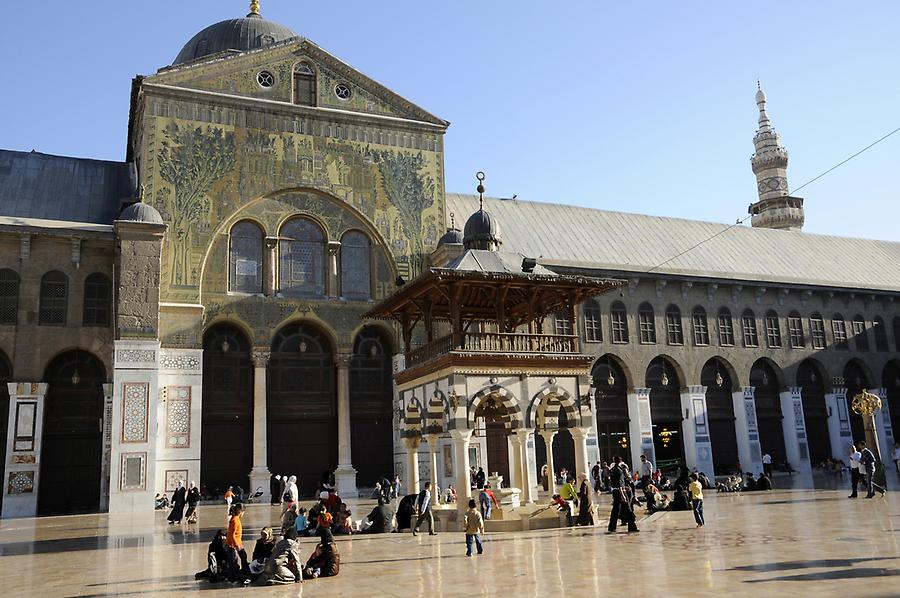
(260, 358)
(579, 432)
(343, 358)
(523, 433)
(461, 435)
(412, 442)
(432, 440)
(548, 435)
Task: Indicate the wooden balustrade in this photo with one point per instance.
(495, 342)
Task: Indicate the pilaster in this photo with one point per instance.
(697, 443)
(640, 428)
(21, 478)
(179, 413)
(794, 428)
(749, 450)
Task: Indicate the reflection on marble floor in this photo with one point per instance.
(753, 544)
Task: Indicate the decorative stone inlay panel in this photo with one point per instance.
(179, 362)
(178, 416)
(133, 471)
(20, 482)
(135, 356)
(135, 411)
(173, 476)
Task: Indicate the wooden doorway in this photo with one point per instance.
(492, 414)
(72, 441)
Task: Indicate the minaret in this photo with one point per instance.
(775, 208)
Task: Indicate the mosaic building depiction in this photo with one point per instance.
(225, 304)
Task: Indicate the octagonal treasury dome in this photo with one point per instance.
(247, 33)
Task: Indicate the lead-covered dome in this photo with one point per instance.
(141, 212)
(481, 232)
(248, 33)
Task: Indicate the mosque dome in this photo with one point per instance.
(481, 231)
(141, 212)
(248, 33)
(453, 236)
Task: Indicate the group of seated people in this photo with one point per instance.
(834, 467)
(736, 483)
(273, 562)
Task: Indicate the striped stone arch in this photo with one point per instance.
(412, 420)
(549, 402)
(507, 399)
(437, 414)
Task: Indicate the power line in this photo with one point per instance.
(740, 221)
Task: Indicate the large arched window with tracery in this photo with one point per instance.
(245, 258)
(302, 271)
(356, 277)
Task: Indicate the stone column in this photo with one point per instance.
(582, 465)
(433, 457)
(548, 436)
(345, 475)
(515, 467)
(260, 476)
(412, 463)
(794, 429)
(695, 431)
(749, 450)
(527, 487)
(640, 428)
(23, 449)
(270, 283)
(460, 440)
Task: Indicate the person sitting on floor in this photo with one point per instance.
(751, 483)
(651, 493)
(283, 567)
(664, 503)
(325, 560)
(262, 551)
(380, 519)
(301, 524)
(342, 520)
(216, 559)
(763, 482)
(289, 518)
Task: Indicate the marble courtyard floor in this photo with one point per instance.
(802, 541)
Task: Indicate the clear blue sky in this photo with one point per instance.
(640, 107)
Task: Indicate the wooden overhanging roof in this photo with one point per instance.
(479, 294)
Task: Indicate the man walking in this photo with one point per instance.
(854, 470)
(646, 471)
(595, 476)
(621, 507)
(767, 464)
(423, 508)
(867, 460)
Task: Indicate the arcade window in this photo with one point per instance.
(562, 323)
(9, 296)
(795, 330)
(97, 297)
(881, 339)
(54, 299)
(593, 332)
(726, 328)
(773, 331)
(304, 85)
(839, 330)
(674, 331)
(748, 323)
(647, 324)
(701, 327)
(817, 331)
(618, 323)
(860, 335)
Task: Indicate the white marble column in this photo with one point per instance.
(345, 475)
(460, 440)
(697, 443)
(260, 476)
(640, 428)
(548, 436)
(749, 451)
(515, 467)
(433, 458)
(21, 478)
(794, 429)
(527, 486)
(579, 435)
(412, 463)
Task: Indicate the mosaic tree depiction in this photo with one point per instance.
(191, 160)
(410, 192)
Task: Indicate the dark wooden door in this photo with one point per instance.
(496, 435)
(722, 432)
(72, 440)
(226, 436)
(371, 414)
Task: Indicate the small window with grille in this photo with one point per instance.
(9, 296)
(618, 323)
(593, 332)
(647, 324)
(839, 330)
(96, 300)
(563, 325)
(817, 331)
(860, 334)
(674, 331)
(795, 330)
(726, 328)
(773, 330)
(881, 339)
(54, 299)
(701, 327)
(748, 323)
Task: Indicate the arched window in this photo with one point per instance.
(881, 340)
(646, 324)
(54, 299)
(618, 323)
(302, 259)
(245, 258)
(773, 330)
(701, 327)
(839, 329)
(97, 298)
(726, 328)
(795, 330)
(860, 334)
(562, 323)
(9, 296)
(304, 85)
(593, 332)
(674, 331)
(817, 331)
(748, 326)
(356, 280)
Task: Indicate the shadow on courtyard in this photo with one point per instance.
(841, 569)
